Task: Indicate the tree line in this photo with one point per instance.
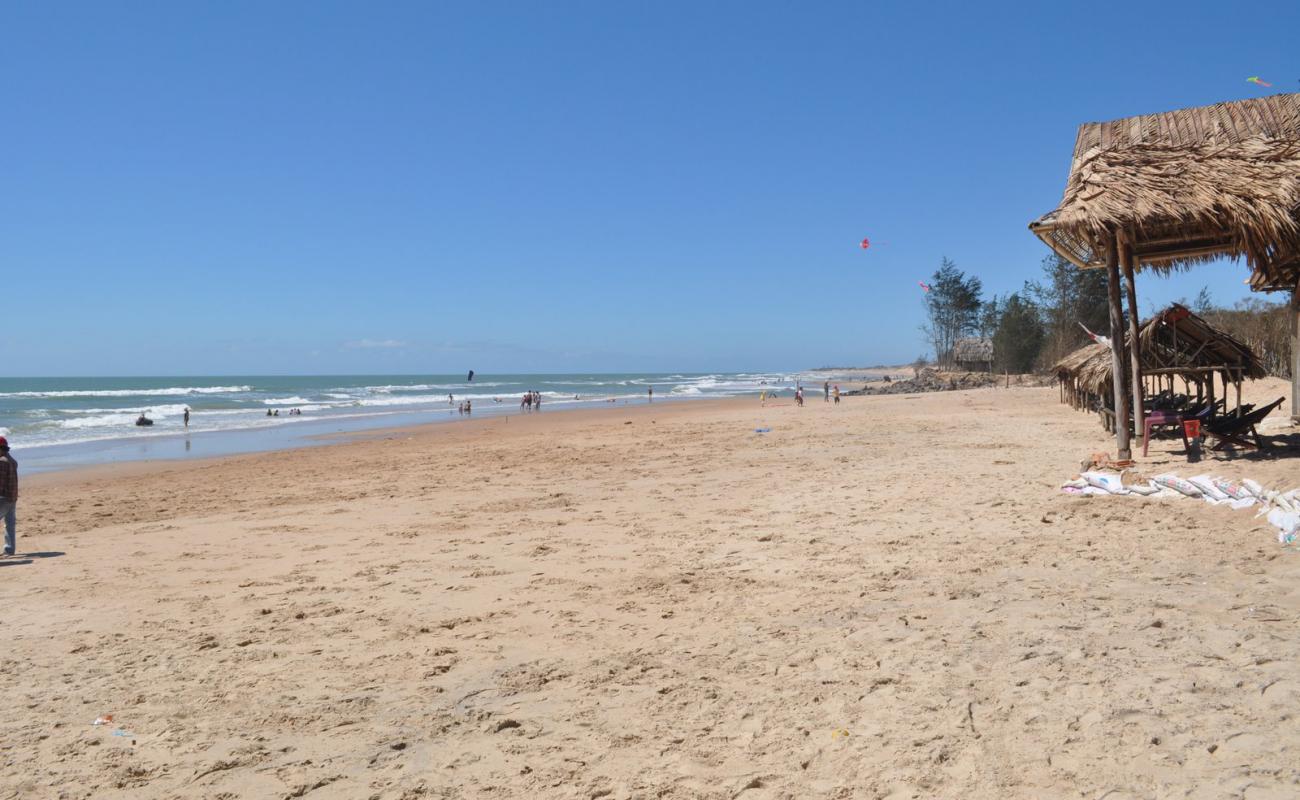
(1036, 327)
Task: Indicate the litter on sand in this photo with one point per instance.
(1282, 508)
(103, 719)
(762, 430)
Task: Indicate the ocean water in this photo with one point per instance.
(70, 421)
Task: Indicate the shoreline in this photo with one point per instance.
(431, 430)
(76, 421)
(178, 447)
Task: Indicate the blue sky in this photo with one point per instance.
(576, 186)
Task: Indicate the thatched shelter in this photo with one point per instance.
(1172, 190)
(1175, 344)
(973, 354)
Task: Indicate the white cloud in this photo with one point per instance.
(368, 344)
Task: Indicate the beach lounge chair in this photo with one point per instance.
(1230, 429)
(1166, 419)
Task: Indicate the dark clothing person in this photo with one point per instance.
(8, 496)
(187, 417)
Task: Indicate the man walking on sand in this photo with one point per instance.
(8, 496)
(826, 389)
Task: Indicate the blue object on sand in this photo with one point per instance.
(762, 430)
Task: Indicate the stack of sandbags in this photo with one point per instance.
(1281, 507)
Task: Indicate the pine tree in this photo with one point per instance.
(1067, 297)
(1019, 337)
(953, 308)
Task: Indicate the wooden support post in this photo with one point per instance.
(1117, 370)
(1295, 355)
(1129, 260)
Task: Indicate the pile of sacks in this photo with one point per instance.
(1281, 507)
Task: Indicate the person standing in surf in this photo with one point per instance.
(9, 497)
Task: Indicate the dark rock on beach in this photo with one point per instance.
(931, 380)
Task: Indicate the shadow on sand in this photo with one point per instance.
(26, 558)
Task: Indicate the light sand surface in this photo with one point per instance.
(889, 598)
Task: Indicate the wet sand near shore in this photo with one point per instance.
(886, 598)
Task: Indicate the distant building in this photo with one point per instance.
(973, 354)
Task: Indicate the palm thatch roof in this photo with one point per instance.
(1188, 186)
(1174, 340)
(972, 349)
(1178, 339)
(1089, 367)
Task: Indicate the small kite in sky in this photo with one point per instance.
(471, 376)
(1255, 80)
(924, 285)
(866, 243)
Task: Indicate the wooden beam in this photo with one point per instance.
(1117, 371)
(1295, 354)
(1129, 261)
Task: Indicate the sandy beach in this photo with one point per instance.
(888, 598)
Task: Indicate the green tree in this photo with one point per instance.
(1204, 303)
(990, 316)
(952, 307)
(1018, 340)
(1066, 297)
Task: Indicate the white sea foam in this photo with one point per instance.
(429, 387)
(409, 400)
(160, 411)
(97, 421)
(163, 392)
(295, 400)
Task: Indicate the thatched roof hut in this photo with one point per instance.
(1085, 367)
(1172, 190)
(973, 353)
(1188, 186)
(1173, 343)
(1178, 342)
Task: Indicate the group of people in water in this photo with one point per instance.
(532, 401)
(293, 412)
